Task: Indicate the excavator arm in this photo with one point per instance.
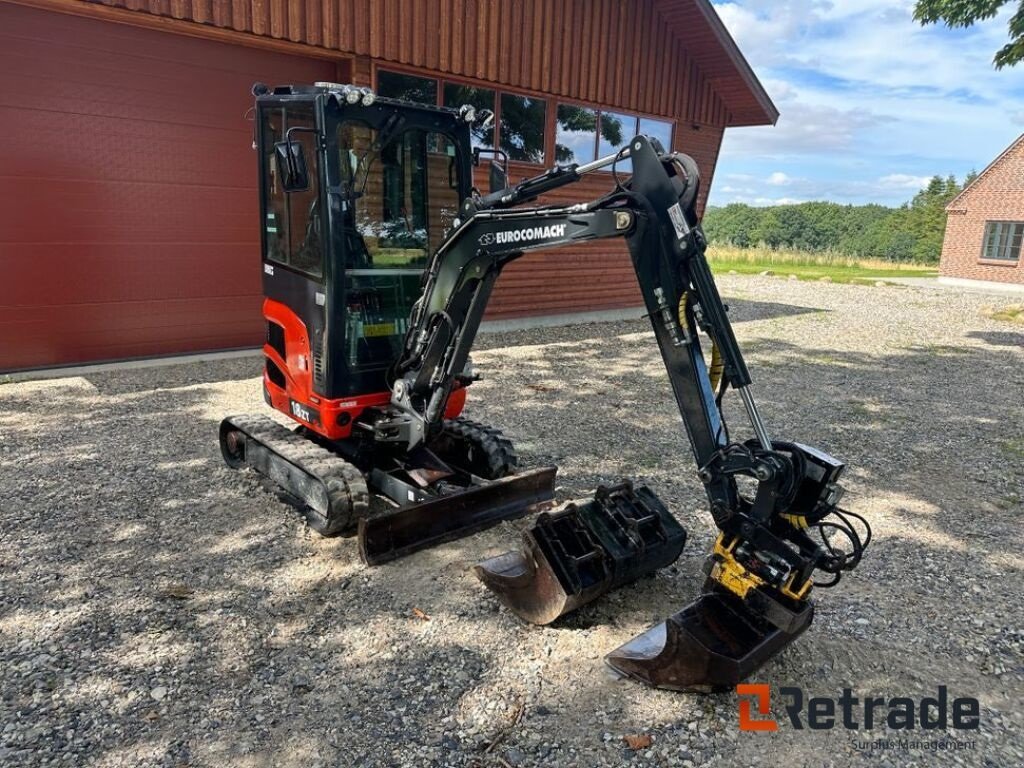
(766, 496)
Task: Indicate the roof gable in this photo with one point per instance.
(699, 28)
(959, 202)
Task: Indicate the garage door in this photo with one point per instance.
(128, 205)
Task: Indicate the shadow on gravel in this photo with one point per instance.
(179, 375)
(162, 609)
(999, 338)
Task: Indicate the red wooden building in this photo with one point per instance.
(129, 222)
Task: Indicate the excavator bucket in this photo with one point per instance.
(711, 645)
(386, 537)
(575, 555)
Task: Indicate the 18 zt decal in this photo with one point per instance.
(307, 414)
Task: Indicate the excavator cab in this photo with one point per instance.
(356, 195)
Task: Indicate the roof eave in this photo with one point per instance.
(743, 68)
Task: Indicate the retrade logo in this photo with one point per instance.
(761, 693)
(853, 713)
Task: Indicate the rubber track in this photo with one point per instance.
(346, 486)
(502, 459)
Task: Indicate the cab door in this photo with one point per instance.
(294, 247)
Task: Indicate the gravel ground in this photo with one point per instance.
(159, 609)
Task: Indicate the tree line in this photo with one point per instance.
(911, 232)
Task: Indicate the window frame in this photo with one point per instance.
(552, 103)
(1007, 227)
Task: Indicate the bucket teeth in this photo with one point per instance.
(575, 555)
(711, 645)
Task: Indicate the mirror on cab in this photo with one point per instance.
(291, 162)
(499, 176)
(499, 166)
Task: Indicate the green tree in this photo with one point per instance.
(522, 127)
(965, 13)
(912, 232)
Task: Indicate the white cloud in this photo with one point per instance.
(804, 127)
(872, 104)
(904, 181)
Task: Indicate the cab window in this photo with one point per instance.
(404, 193)
(292, 233)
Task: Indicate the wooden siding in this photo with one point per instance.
(613, 52)
(130, 220)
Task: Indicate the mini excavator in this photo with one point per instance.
(379, 257)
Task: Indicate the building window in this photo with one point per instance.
(456, 94)
(1003, 241)
(522, 127)
(616, 131)
(575, 134)
(583, 134)
(395, 85)
(657, 129)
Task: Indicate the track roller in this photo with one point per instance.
(330, 492)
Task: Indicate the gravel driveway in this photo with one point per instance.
(159, 609)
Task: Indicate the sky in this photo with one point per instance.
(872, 104)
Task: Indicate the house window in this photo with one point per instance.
(657, 129)
(575, 134)
(583, 134)
(396, 85)
(1003, 241)
(456, 94)
(616, 131)
(522, 127)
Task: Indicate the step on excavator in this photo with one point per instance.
(379, 257)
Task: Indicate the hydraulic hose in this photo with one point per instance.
(717, 367)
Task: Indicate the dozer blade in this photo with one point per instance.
(711, 645)
(584, 550)
(409, 529)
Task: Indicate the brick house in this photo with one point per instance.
(985, 224)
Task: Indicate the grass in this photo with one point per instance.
(811, 266)
(1013, 449)
(1012, 313)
